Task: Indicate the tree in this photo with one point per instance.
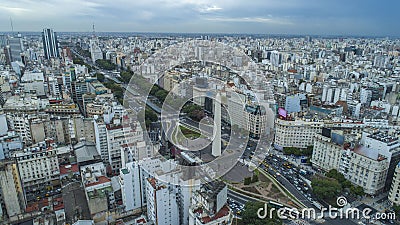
(105, 64)
(247, 181)
(339, 177)
(396, 209)
(357, 190)
(100, 77)
(154, 89)
(126, 76)
(326, 188)
(161, 95)
(254, 178)
(250, 215)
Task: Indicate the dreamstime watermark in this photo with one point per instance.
(324, 213)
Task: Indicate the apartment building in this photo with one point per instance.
(209, 205)
(255, 119)
(365, 167)
(394, 193)
(162, 203)
(296, 133)
(12, 199)
(326, 153)
(39, 170)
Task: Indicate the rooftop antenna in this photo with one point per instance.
(94, 31)
(12, 27)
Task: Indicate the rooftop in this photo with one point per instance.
(369, 153)
(66, 169)
(99, 180)
(383, 137)
(221, 213)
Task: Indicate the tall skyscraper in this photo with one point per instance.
(50, 44)
(15, 48)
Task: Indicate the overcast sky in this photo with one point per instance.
(336, 17)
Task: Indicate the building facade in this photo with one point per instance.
(296, 133)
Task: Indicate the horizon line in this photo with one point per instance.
(215, 33)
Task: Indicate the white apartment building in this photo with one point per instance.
(133, 180)
(20, 123)
(54, 89)
(394, 193)
(115, 140)
(131, 187)
(162, 205)
(388, 146)
(326, 154)
(95, 51)
(235, 103)
(366, 168)
(38, 170)
(297, 133)
(367, 165)
(100, 131)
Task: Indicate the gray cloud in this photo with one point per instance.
(256, 16)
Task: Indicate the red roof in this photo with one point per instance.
(140, 221)
(58, 204)
(65, 169)
(100, 180)
(35, 205)
(223, 212)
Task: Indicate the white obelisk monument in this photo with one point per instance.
(216, 145)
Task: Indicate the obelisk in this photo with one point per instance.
(216, 145)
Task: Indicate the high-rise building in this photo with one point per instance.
(50, 44)
(162, 207)
(15, 48)
(394, 193)
(12, 200)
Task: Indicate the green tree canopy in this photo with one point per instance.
(100, 77)
(326, 188)
(105, 64)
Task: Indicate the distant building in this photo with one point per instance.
(327, 110)
(95, 50)
(295, 102)
(50, 44)
(9, 143)
(15, 48)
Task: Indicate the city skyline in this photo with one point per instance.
(370, 18)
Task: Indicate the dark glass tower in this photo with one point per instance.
(50, 44)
